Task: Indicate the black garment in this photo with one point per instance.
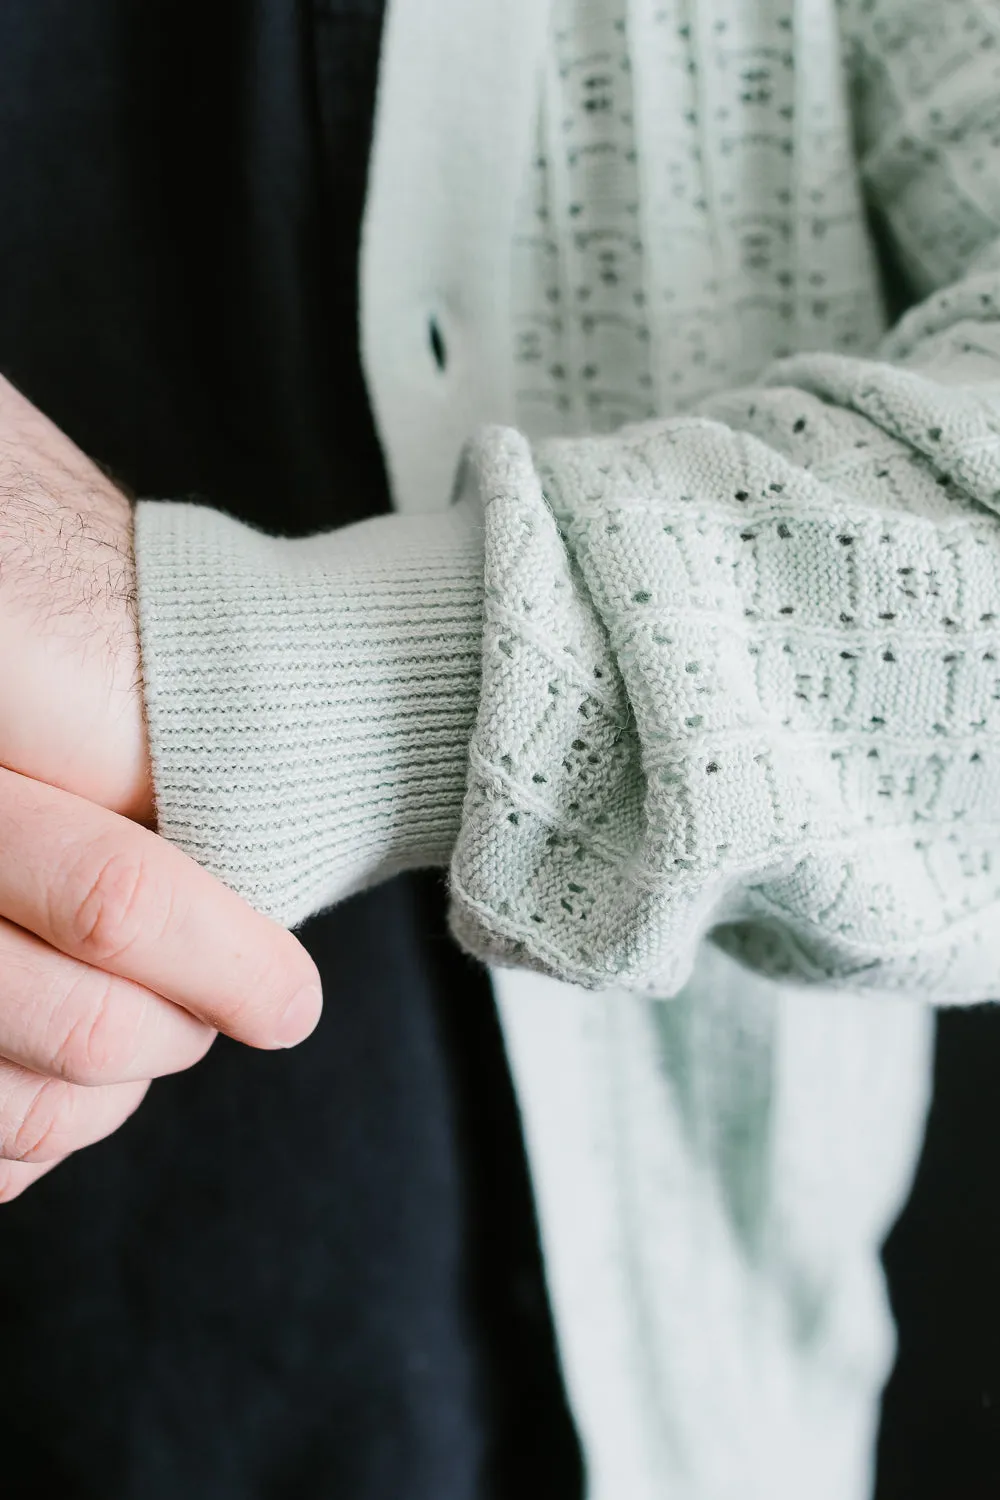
(940, 1436)
(311, 1274)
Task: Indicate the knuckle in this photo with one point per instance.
(98, 1043)
(108, 901)
(45, 1128)
(233, 1017)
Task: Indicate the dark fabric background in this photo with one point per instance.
(940, 1435)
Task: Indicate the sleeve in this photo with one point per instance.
(734, 673)
(740, 669)
(309, 702)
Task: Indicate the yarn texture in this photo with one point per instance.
(309, 701)
(677, 663)
(738, 667)
(740, 675)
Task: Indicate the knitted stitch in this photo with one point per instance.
(692, 211)
(737, 667)
(309, 701)
(757, 688)
(713, 1177)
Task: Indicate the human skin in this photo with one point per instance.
(120, 958)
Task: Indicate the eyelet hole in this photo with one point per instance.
(438, 347)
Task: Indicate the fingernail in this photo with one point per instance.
(301, 1016)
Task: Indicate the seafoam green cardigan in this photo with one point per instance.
(735, 670)
(731, 670)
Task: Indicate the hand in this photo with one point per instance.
(71, 709)
(119, 957)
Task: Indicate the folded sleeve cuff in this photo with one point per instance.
(310, 702)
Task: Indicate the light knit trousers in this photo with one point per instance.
(715, 1175)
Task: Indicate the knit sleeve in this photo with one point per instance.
(741, 671)
(741, 675)
(309, 701)
(733, 673)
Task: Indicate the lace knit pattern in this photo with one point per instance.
(740, 667)
(692, 211)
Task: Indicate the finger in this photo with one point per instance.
(63, 1018)
(43, 1119)
(15, 1176)
(114, 895)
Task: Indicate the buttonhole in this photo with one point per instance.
(437, 343)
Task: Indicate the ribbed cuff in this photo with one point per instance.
(310, 702)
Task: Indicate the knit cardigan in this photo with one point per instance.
(727, 670)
